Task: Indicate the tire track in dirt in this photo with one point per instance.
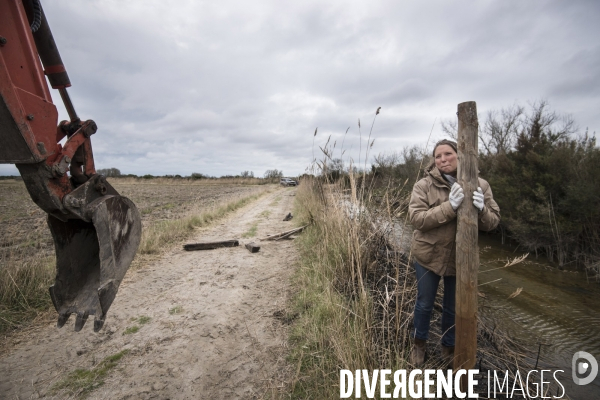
(211, 333)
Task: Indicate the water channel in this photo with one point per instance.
(558, 308)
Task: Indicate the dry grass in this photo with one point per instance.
(356, 292)
(162, 233)
(26, 257)
(251, 232)
(339, 326)
(170, 209)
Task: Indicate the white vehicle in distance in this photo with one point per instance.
(288, 182)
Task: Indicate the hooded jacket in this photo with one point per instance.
(434, 220)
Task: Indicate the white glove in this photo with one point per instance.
(456, 196)
(478, 199)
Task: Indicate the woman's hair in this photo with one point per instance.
(450, 143)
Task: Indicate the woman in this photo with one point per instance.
(432, 211)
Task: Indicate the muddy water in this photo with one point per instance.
(560, 309)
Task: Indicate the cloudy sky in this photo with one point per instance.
(220, 87)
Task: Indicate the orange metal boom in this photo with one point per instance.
(96, 231)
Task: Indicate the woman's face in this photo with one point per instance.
(446, 159)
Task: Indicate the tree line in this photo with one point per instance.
(270, 174)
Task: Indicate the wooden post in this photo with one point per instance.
(467, 250)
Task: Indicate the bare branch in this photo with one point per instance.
(450, 128)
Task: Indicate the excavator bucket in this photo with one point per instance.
(92, 258)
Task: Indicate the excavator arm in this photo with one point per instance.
(96, 231)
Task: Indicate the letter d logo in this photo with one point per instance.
(582, 367)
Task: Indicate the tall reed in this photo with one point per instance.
(356, 289)
(347, 315)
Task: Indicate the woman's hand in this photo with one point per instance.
(456, 196)
(478, 199)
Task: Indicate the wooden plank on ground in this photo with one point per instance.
(252, 247)
(210, 245)
(285, 234)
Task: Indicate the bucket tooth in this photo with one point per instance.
(98, 324)
(55, 301)
(80, 321)
(62, 320)
(106, 294)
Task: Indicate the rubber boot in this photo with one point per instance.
(417, 356)
(448, 356)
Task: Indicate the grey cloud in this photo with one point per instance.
(222, 88)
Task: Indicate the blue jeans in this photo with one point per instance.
(427, 284)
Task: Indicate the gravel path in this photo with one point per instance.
(208, 323)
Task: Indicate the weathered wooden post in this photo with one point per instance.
(467, 251)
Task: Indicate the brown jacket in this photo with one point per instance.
(434, 221)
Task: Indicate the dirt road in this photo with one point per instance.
(206, 323)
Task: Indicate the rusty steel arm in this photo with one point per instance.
(96, 231)
(28, 119)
